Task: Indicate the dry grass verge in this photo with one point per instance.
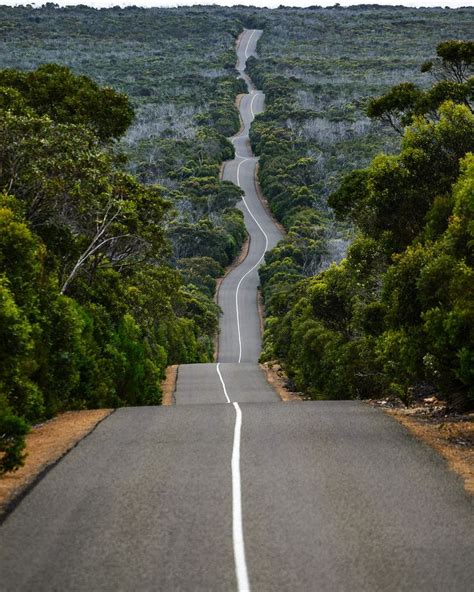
(277, 378)
(45, 445)
(261, 311)
(168, 386)
(238, 100)
(451, 435)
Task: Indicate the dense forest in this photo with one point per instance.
(316, 126)
(115, 223)
(395, 316)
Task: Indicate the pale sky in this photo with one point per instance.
(260, 3)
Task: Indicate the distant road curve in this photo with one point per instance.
(240, 339)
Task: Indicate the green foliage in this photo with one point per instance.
(12, 442)
(399, 104)
(387, 318)
(397, 314)
(454, 75)
(384, 201)
(457, 58)
(178, 68)
(315, 130)
(92, 309)
(55, 91)
(201, 272)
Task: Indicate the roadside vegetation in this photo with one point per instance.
(316, 126)
(91, 310)
(114, 223)
(371, 291)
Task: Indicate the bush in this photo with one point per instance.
(12, 438)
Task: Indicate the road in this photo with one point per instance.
(239, 338)
(232, 489)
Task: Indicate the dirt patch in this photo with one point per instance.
(45, 445)
(235, 263)
(238, 100)
(451, 435)
(238, 41)
(168, 386)
(277, 378)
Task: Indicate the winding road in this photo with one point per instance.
(232, 489)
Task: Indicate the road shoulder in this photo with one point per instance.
(277, 378)
(46, 444)
(450, 435)
(168, 386)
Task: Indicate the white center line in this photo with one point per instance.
(254, 267)
(251, 105)
(248, 43)
(243, 583)
(241, 572)
(244, 159)
(222, 382)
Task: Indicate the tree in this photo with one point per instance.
(455, 61)
(53, 90)
(396, 315)
(454, 75)
(90, 214)
(385, 201)
(397, 106)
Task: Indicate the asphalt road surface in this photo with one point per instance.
(231, 489)
(240, 338)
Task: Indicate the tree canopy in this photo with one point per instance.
(396, 315)
(54, 90)
(99, 291)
